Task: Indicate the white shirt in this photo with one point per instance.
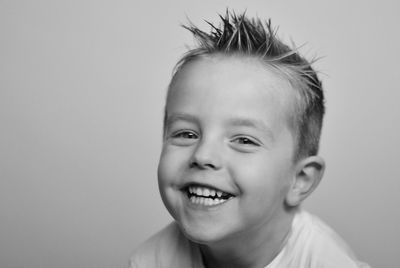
(310, 244)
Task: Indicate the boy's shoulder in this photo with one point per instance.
(312, 243)
(167, 248)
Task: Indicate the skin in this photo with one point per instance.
(227, 128)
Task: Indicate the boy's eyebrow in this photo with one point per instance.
(181, 116)
(236, 121)
(253, 123)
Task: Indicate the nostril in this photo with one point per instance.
(195, 164)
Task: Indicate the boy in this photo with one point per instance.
(242, 124)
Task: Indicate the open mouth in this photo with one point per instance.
(206, 196)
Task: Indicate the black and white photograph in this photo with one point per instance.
(199, 134)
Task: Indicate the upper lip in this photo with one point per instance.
(186, 185)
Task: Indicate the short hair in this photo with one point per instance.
(239, 35)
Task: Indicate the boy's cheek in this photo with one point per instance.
(175, 155)
(169, 167)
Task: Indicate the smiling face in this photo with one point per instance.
(227, 157)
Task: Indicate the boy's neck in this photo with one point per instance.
(251, 249)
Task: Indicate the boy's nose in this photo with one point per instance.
(207, 155)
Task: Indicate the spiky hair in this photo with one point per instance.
(240, 35)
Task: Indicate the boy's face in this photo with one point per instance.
(227, 158)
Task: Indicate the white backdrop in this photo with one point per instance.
(82, 86)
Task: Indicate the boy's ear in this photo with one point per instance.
(309, 172)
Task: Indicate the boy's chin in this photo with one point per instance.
(205, 234)
(202, 238)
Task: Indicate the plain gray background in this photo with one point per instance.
(82, 86)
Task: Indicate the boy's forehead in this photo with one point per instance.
(221, 71)
(242, 84)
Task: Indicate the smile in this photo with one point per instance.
(206, 196)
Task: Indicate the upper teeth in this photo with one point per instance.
(203, 191)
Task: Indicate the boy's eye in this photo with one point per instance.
(183, 138)
(246, 141)
(185, 135)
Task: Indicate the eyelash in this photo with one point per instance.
(184, 134)
(188, 135)
(246, 141)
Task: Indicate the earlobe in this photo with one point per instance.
(309, 172)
